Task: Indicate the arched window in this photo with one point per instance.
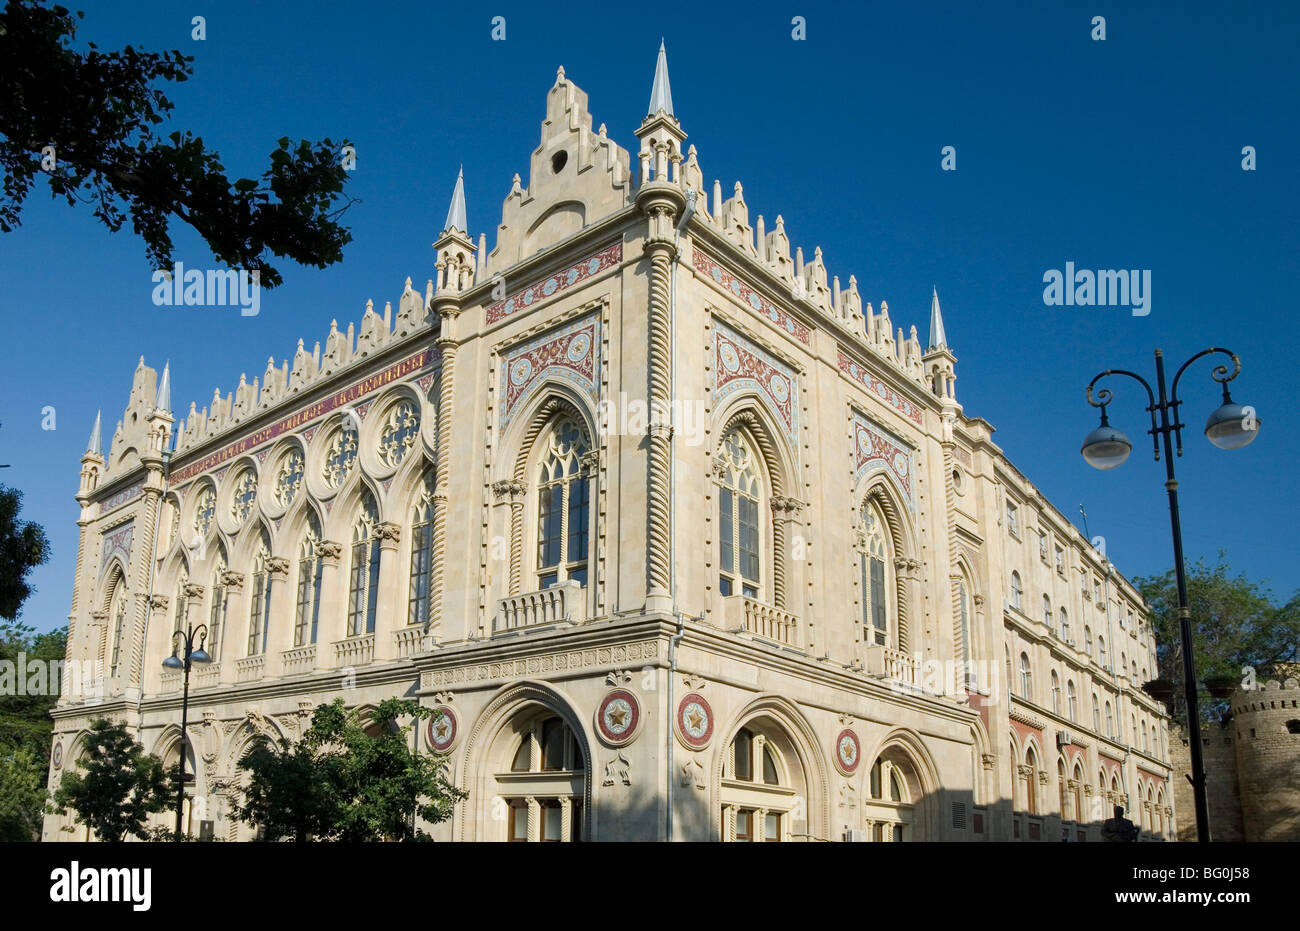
(1047, 612)
(759, 786)
(563, 506)
(259, 609)
(738, 519)
(421, 553)
(549, 752)
(1065, 626)
(1101, 651)
(1096, 713)
(1026, 677)
(890, 809)
(1031, 781)
(874, 572)
(1132, 728)
(117, 620)
(1056, 693)
(217, 611)
(1071, 701)
(1062, 788)
(1110, 721)
(1010, 677)
(1079, 814)
(1146, 747)
(1087, 640)
(1123, 662)
(1017, 591)
(363, 599)
(310, 571)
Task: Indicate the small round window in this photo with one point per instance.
(558, 161)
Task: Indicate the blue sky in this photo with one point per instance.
(1117, 154)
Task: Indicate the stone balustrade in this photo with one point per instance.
(562, 603)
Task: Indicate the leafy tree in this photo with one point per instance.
(25, 730)
(1235, 624)
(23, 545)
(88, 121)
(346, 782)
(120, 787)
(22, 795)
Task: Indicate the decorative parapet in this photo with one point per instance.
(209, 675)
(406, 641)
(894, 665)
(559, 604)
(250, 668)
(749, 616)
(354, 651)
(300, 660)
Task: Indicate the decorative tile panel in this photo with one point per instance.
(742, 292)
(880, 389)
(740, 365)
(876, 448)
(570, 353)
(117, 542)
(962, 456)
(560, 281)
(121, 498)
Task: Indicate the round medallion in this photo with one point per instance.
(528, 298)
(57, 755)
(730, 358)
(593, 266)
(780, 390)
(848, 750)
(572, 276)
(716, 275)
(442, 729)
(549, 288)
(520, 371)
(900, 463)
(694, 721)
(755, 301)
(735, 287)
(579, 346)
(618, 717)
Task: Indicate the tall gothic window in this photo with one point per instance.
(117, 618)
(1056, 693)
(738, 519)
(1110, 721)
(1101, 651)
(964, 632)
(1026, 677)
(421, 553)
(563, 507)
(310, 569)
(1096, 713)
(1065, 626)
(217, 613)
(1047, 612)
(259, 610)
(1071, 700)
(873, 574)
(364, 576)
(1017, 590)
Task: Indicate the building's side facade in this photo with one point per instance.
(811, 603)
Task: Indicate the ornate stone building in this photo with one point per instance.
(680, 535)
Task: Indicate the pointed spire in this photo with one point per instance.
(937, 338)
(661, 95)
(456, 213)
(95, 445)
(164, 401)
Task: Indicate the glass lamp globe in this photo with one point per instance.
(1105, 447)
(172, 662)
(1232, 426)
(200, 656)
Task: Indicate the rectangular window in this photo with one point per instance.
(749, 538)
(878, 600)
(518, 821)
(372, 592)
(744, 824)
(575, 821)
(724, 586)
(549, 522)
(421, 553)
(1013, 520)
(552, 821)
(357, 602)
(772, 827)
(866, 591)
(579, 508)
(302, 614)
(215, 617)
(728, 528)
(258, 610)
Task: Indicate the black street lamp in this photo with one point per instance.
(1231, 426)
(173, 662)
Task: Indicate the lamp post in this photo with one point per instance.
(1231, 426)
(173, 662)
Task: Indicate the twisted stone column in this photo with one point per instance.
(658, 499)
(442, 477)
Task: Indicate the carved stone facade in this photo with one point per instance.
(789, 616)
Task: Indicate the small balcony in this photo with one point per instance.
(300, 660)
(565, 603)
(893, 665)
(354, 651)
(207, 675)
(761, 620)
(407, 641)
(250, 668)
